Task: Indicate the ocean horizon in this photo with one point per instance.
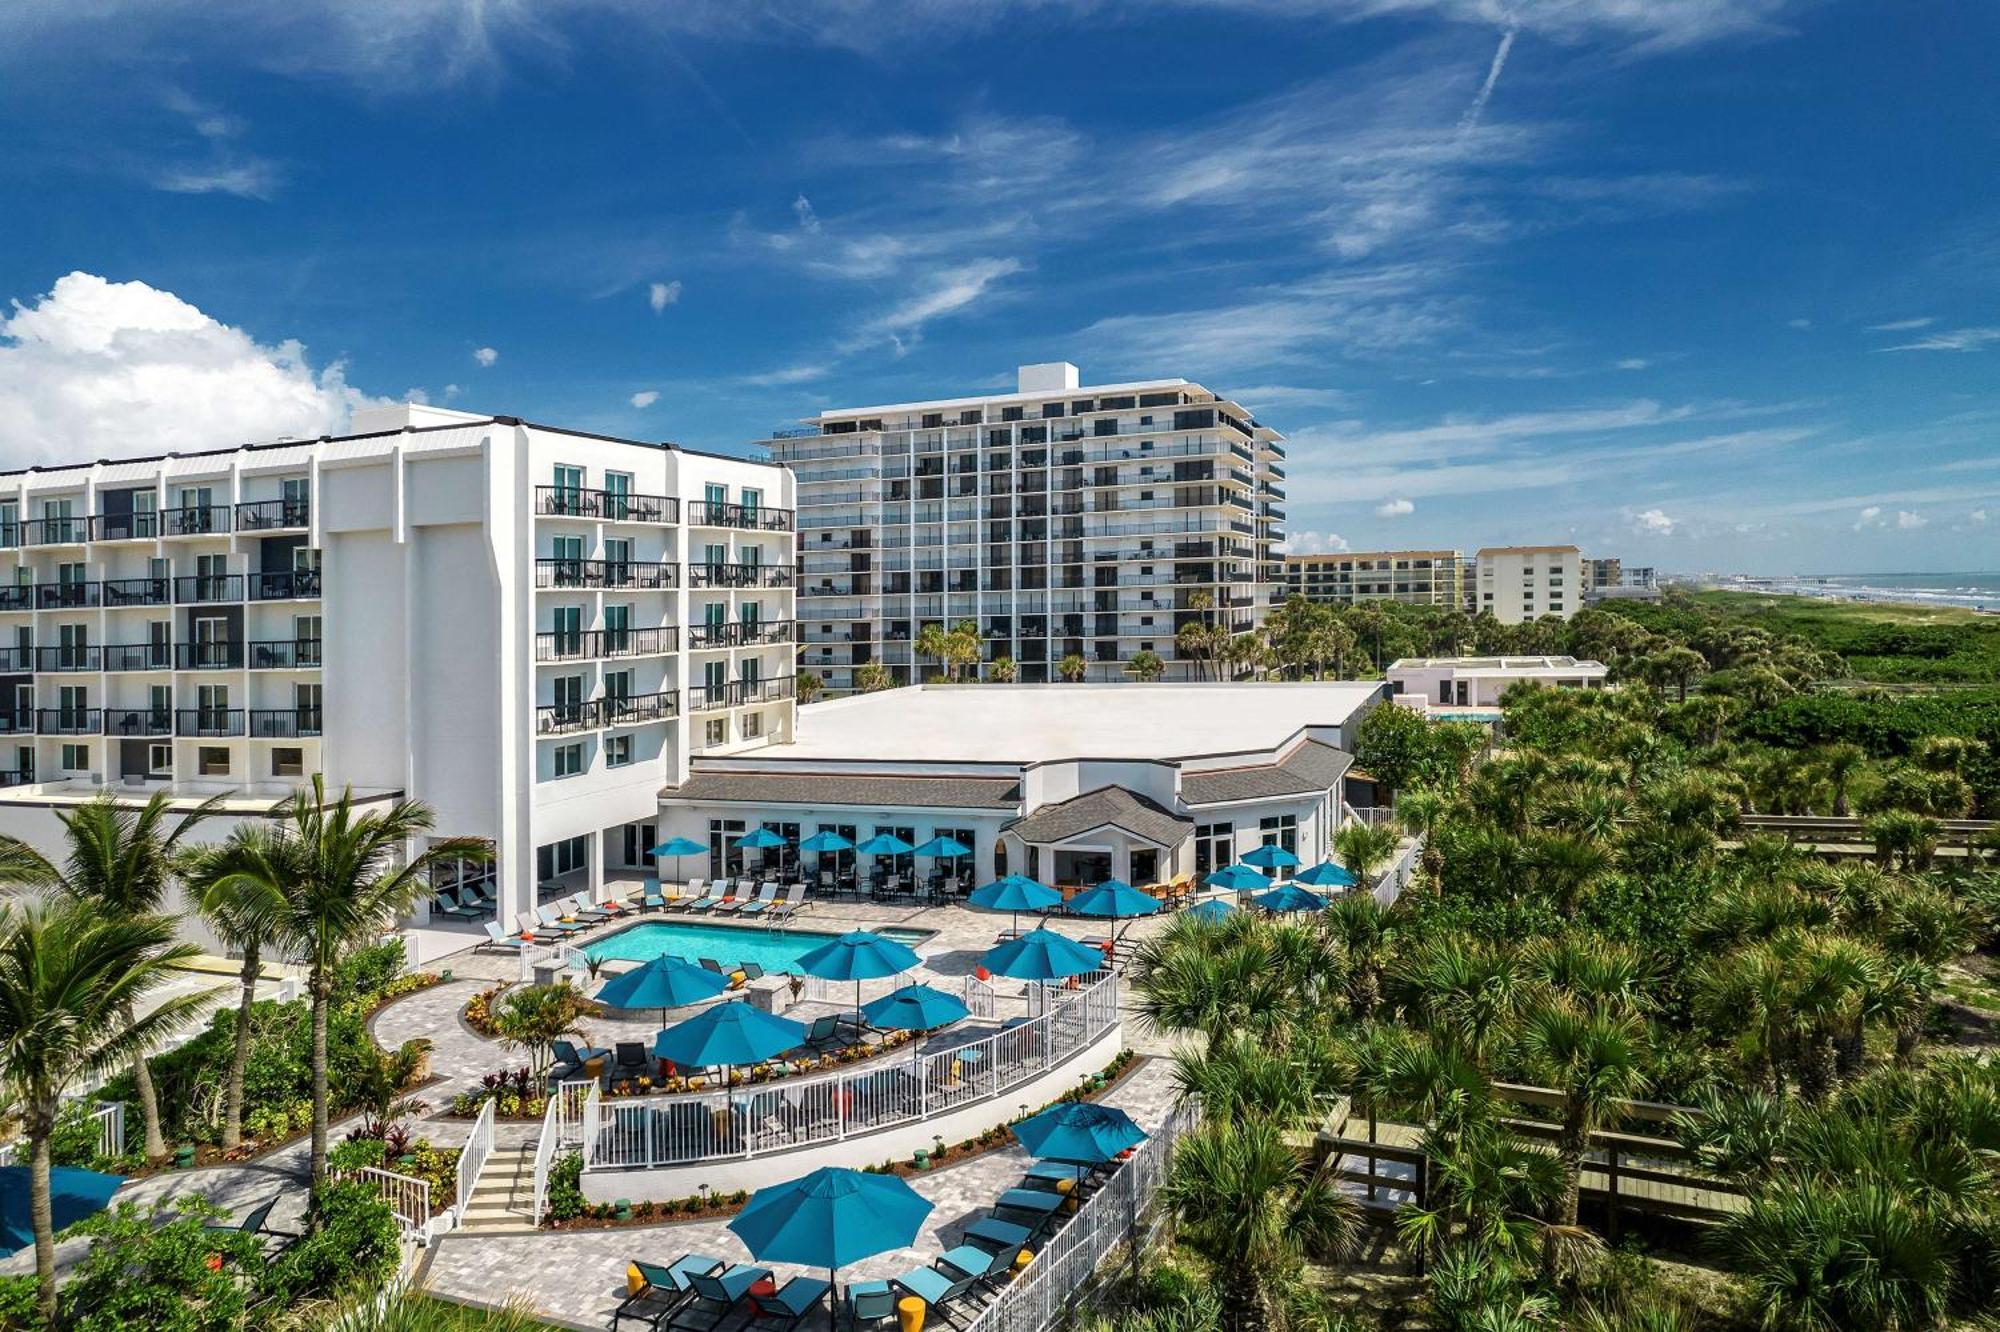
(1971, 590)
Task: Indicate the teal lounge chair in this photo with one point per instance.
(986, 1266)
(552, 919)
(257, 1221)
(447, 903)
(714, 1297)
(869, 1304)
(664, 1289)
(938, 1290)
(992, 1232)
(495, 939)
(650, 896)
(580, 907)
(764, 901)
(794, 1300)
(718, 893)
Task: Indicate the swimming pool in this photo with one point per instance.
(773, 950)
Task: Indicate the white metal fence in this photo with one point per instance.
(1115, 1216)
(794, 1112)
(562, 1124)
(109, 1117)
(408, 1197)
(471, 1160)
(981, 999)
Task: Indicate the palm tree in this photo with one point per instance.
(1365, 931)
(1247, 1204)
(1073, 668)
(1595, 1059)
(1839, 763)
(934, 641)
(1002, 671)
(808, 686)
(324, 881)
(1419, 810)
(1566, 868)
(1364, 848)
(72, 976)
(1145, 666)
(119, 861)
(871, 677)
(230, 910)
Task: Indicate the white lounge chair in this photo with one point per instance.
(765, 901)
(504, 942)
(578, 905)
(795, 902)
(551, 918)
(738, 898)
(718, 894)
(531, 924)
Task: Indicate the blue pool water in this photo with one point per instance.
(773, 950)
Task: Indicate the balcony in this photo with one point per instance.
(211, 656)
(196, 520)
(216, 723)
(17, 658)
(284, 654)
(78, 657)
(17, 721)
(285, 585)
(68, 721)
(208, 589)
(587, 644)
(133, 525)
(59, 531)
(739, 575)
(138, 656)
(744, 633)
(134, 723)
(17, 597)
(752, 517)
(640, 574)
(284, 723)
(137, 591)
(614, 710)
(65, 596)
(609, 506)
(273, 515)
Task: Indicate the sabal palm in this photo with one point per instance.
(1596, 1060)
(1365, 932)
(1247, 1203)
(121, 861)
(1364, 848)
(324, 880)
(231, 911)
(1823, 1257)
(1596, 973)
(71, 979)
(1566, 868)
(1464, 990)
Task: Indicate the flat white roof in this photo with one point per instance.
(1497, 665)
(978, 400)
(1040, 723)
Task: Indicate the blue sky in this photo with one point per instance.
(1711, 284)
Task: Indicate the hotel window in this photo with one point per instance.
(617, 750)
(1282, 829)
(76, 758)
(288, 762)
(569, 759)
(1214, 847)
(212, 761)
(753, 725)
(715, 731)
(568, 488)
(617, 492)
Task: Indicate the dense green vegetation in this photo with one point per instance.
(1877, 641)
(1590, 918)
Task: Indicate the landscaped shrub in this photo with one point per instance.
(17, 1303)
(565, 1195)
(159, 1270)
(352, 1249)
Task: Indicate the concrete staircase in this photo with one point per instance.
(503, 1197)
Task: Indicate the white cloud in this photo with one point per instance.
(1653, 522)
(802, 209)
(1395, 508)
(1798, 323)
(1976, 516)
(1956, 340)
(645, 398)
(1902, 325)
(1909, 521)
(946, 292)
(219, 163)
(452, 391)
(99, 369)
(1868, 517)
(660, 295)
(486, 356)
(1314, 543)
(1634, 363)
(417, 395)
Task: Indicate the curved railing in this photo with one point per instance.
(639, 1132)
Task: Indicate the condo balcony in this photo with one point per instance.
(639, 574)
(285, 585)
(284, 723)
(138, 591)
(743, 633)
(217, 723)
(138, 656)
(754, 517)
(612, 710)
(271, 515)
(138, 723)
(611, 506)
(737, 693)
(739, 575)
(214, 655)
(590, 644)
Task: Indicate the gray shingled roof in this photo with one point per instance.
(1112, 806)
(1311, 768)
(766, 788)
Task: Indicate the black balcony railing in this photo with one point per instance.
(557, 572)
(131, 526)
(195, 520)
(609, 505)
(17, 597)
(134, 722)
(65, 596)
(137, 591)
(285, 585)
(588, 643)
(76, 657)
(563, 718)
(15, 776)
(743, 633)
(17, 658)
(638, 709)
(217, 722)
(273, 515)
(736, 693)
(753, 517)
(739, 575)
(138, 656)
(68, 721)
(55, 531)
(202, 589)
(17, 721)
(220, 655)
(284, 723)
(284, 654)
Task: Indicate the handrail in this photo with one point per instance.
(478, 1147)
(559, 1122)
(409, 1198)
(786, 1113)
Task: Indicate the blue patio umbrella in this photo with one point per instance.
(915, 1008)
(858, 956)
(1015, 893)
(679, 848)
(1289, 897)
(1042, 955)
(733, 1033)
(1270, 856)
(942, 847)
(821, 842)
(1326, 874)
(73, 1195)
(1214, 909)
(884, 844)
(1114, 898)
(1079, 1133)
(664, 982)
(1238, 879)
(759, 839)
(830, 1218)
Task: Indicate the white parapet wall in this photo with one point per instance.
(896, 1143)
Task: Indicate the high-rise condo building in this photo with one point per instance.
(529, 629)
(1353, 578)
(1063, 520)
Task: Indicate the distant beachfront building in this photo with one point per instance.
(1060, 519)
(1611, 579)
(1515, 584)
(1470, 687)
(1357, 578)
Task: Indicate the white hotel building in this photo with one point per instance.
(530, 629)
(1060, 518)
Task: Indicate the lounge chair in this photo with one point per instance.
(610, 904)
(735, 900)
(1052, 1173)
(650, 896)
(992, 1232)
(794, 902)
(1042, 1207)
(662, 1289)
(631, 1060)
(938, 1290)
(718, 893)
(552, 920)
(505, 942)
(531, 923)
(681, 898)
(716, 1295)
(791, 1304)
(710, 964)
(763, 903)
(447, 903)
(986, 1266)
(751, 971)
(578, 905)
(570, 1060)
(869, 1304)
(824, 1031)
(257, 1221)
